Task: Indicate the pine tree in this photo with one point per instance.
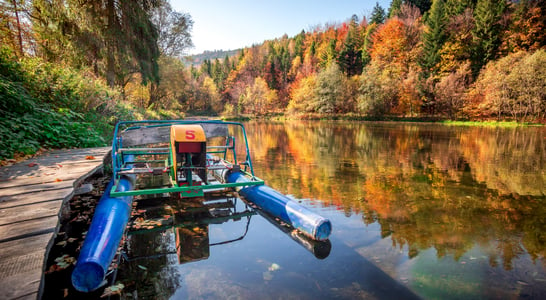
(457, 7)
(434, 37)
(486, 33)
(350, 57)
(378, 14)
(423, 5)
(394, 10)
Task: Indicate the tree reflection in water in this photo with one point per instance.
(449, 188)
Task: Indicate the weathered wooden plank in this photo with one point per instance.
(31, 195)
(50, 175)
(28, 228)
(151, 135)
(46, 163)
(22, 246)
(21, 286)
(36, 197)
(29, 212)
(17, 190)
(42, 170)
(21, 266)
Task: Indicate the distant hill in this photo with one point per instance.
(197, 59)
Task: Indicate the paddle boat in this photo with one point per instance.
(197, 157)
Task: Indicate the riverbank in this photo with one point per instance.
(354, 117)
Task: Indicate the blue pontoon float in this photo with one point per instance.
(199, 156)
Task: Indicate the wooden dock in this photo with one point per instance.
(32, 194)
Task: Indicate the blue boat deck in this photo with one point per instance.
(32, 195)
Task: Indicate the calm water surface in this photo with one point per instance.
(418, 211)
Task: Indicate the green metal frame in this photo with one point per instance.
(119, 165)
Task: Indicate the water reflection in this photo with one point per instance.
(428, 186)
(418, 211)
(168, 226)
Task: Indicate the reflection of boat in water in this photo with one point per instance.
(190, 218)
(186, 160)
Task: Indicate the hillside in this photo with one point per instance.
(197, 59)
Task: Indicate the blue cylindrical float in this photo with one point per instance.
(103, 237)
(280, 206)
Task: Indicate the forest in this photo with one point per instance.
(70, 69)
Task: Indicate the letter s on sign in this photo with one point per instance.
(190, 134)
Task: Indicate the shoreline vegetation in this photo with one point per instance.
(69, 71)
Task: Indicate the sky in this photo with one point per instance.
(234, 24)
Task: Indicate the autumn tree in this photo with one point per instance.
(302, 93)
(513, 86)
(527, 28)
(258, 98)
(456, 50)
(15, 28)
(373, 99)
(329, 90)
(450, 91)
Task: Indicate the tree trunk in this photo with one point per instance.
(110, 40)
(19, 34)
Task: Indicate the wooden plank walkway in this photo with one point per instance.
(32, 194)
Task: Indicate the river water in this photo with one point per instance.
(418, 211)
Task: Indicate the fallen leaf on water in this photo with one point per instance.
(274, 267)
(113, 290)
(89, 157)
(32, 164)
(267, 276)
(521, 282)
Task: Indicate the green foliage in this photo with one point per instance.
(47, 106)
(487, 30)
(394, 9)
(350, 57)
(378, 14)
(434, 36)
(423, 5)
(329, 90)
(373, 98)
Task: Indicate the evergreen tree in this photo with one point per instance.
(457, 7)
(394, 10)
(434, 37)
(423, 5)
(298, 47)
(350, 57)
(329, 55)
(487, 31)
(378, 14)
